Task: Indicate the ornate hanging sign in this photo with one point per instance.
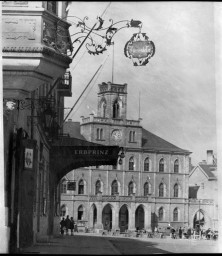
(139, 49)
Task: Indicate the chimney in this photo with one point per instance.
(210, 157)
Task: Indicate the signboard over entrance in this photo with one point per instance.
(139, 49)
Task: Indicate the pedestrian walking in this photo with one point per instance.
(72, 226)
(68, 222)
(62, 225)
(180, 233)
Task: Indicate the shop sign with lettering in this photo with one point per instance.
(139, 49)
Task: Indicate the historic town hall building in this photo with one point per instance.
(148, 187)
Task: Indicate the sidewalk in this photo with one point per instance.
(86, 243)
(77, 244)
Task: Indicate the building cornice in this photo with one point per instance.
(39, 49)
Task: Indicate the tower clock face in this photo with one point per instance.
(116, 135)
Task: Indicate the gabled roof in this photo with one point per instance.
(207, 170)
(153, 142)
(149, 140)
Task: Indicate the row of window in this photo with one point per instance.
(161, 214)
(147, 188)
(147, 165)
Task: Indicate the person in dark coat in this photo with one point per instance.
(180, 233)
(68, 222)
(72, 225)
(62, 225)
(189, 233)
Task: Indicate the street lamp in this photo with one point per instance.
(121, 156)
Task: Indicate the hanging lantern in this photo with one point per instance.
(139, 49)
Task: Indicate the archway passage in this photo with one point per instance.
(123, 218)
(139, 218)
(94, 216)
(199, 219)
(67, 154)
(107, 217)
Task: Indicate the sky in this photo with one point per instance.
(176, 89)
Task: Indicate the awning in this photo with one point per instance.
(67, 154)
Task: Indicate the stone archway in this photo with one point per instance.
(139, 217)
(123, 218)
(199, 219)
(107, 217)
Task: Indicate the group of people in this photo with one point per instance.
(66, 224)
(188, 232)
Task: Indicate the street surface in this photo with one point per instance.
(109, 245)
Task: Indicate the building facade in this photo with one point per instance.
(147, 188)
(35, 58)
(203, 193)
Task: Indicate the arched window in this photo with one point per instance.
(63, 210)
(161, 165)
(101, 134)
(114, 187)
(116, 109)
(161, 190)
(176, 190)
(80, 213)
(81, 187)
(132, 136)
(175, 214)
(146, 165)
(147, 189)
(160, 214)
(176, 166)
(98, 186)
(103, 107)
(130, 188)
(63, 187)
(131, 163)
(97, 134)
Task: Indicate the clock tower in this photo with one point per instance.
(112, 100)
(110, 126)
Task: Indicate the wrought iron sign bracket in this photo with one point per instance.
(99, 37)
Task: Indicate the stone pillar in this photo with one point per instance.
(132, 216)
(147, 217)
(99, 224)
(115, 216)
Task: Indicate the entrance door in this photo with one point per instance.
(107, 217)
(123, 218)
(94, 216)
(139, 218)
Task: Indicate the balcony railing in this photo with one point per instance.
(115, 121)
(117, 198)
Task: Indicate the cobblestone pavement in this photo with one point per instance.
(109, 245)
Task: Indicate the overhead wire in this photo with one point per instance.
(90, 88)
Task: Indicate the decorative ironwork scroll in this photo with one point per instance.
(100, 36)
